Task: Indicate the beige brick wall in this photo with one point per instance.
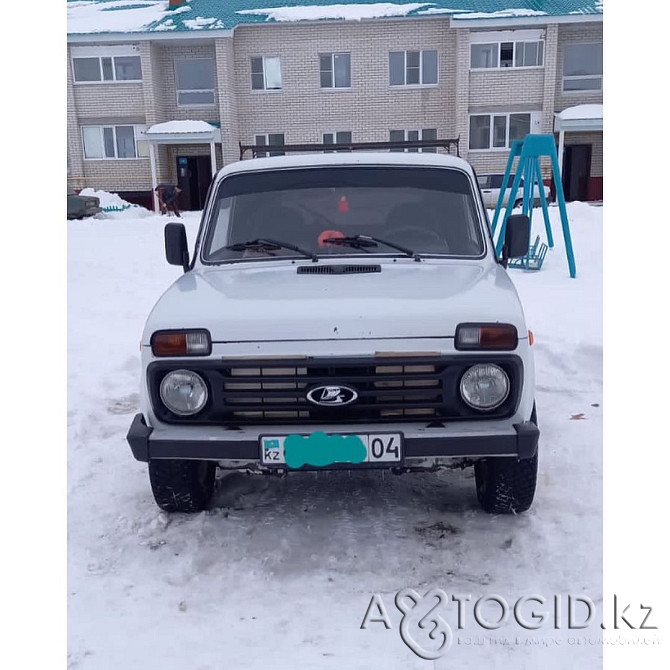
(596, 142)
(371, 108)
(507, 88)
(227, 99)
(131, 174)
(76, 176)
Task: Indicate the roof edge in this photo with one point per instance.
(496, 22)
(493, 22)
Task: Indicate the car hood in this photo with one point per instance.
(272, 302)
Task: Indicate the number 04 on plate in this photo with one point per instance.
(320, 449)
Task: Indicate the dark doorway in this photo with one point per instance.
(576, 171)
(194, 174)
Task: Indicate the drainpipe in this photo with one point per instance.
(154, 180)
(561, 146)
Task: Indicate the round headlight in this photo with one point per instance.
(183, 392)
(485, 386)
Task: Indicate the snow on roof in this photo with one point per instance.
(148, 16)
(180, 127)
(581, 112)
(348, 12)
(502, 14)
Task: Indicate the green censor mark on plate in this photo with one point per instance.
(319, 449)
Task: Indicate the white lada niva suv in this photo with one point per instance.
(340, 311)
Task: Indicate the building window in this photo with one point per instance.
(106, 142)
(498, 55)
(412, 136)
(498, 131)
(335, 70)
(340, 137)
(195, 81)
(583, 67)
(412, 68)
(265, 73)
(107, 68)
(269, 140)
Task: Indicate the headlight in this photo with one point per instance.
(485, 386)
(183, 392)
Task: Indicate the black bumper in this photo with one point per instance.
(523, 444)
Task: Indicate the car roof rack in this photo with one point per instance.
(256, 149)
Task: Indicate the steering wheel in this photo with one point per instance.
(410, 235)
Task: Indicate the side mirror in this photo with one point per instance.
(517, 237)
(176, 245)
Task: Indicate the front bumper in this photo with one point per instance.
(519, 440)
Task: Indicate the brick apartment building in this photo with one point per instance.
(325, 71)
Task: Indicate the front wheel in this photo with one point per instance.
(506, 485)
(182, 485)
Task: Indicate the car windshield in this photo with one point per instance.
(428, 210)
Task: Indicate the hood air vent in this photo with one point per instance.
(338, 269)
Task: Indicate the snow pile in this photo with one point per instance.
(117, 207)
(186, 126)
(502, 14)
(346, 12)
(199, 23)
(581, 112)
(125, 16)
(282, 570)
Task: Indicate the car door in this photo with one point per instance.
(484, 185)
(495, 184)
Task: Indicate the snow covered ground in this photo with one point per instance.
(279, 573)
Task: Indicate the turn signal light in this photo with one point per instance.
(181, 343)
(491, 337)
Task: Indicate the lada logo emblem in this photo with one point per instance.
(332, 396)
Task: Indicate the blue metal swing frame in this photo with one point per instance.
(529, 151)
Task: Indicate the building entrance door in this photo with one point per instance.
(576, 171)
(194, 174)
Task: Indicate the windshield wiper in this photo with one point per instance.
(266, 244)
(362, 241)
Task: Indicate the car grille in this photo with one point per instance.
(384, 391)
(389, 388)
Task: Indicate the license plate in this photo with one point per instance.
(320, 450)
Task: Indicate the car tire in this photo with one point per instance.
(506, 485)
(182, 485)
(518, 203)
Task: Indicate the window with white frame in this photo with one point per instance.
(195, 81)
(113, 142)
(335, 70)
(269, 140)
(412, 68)
(499, 130)
(412, 136)
(106, 64)
(583, 67)
(339, 137)
(506, 49)
(265, 73)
